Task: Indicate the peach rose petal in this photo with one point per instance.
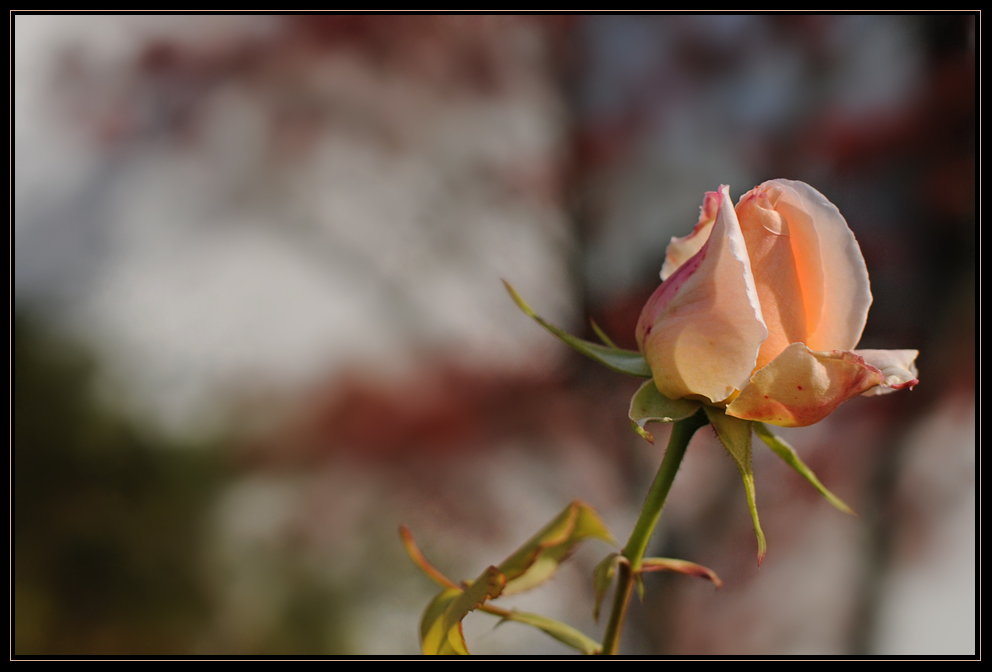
(898, 369)
(701, 329)
(802, 386)
(680, 250)
(846, 293)
(785, 260)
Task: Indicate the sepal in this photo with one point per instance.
(623, 361)
(650, 405)
(735, 434)
(790, 457)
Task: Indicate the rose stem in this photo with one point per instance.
(636, 546)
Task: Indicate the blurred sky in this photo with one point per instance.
(290, 232)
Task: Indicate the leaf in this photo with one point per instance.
(565, 634)
(538, 559)
(441, 624)
(789, 456)
(680, 566)
(735, 434)
(421, 561)
(602, 578)
(622, 361)
(650, 405)
(431, 618)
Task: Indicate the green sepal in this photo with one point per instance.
(538, 559)
(622, 361)
(789, 456)
(441, 624)
(565, 634)
(602, 578)
(650, 405)
(601, 335)
(735, 434)
(680, 566)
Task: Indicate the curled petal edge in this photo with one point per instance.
(898, 369)
(680, 250)
(832, 275)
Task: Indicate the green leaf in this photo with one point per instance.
(441, 624)
(565, 634)
(680, 566)
(789, 456)
(735, 434)
(650, 405)
(623, 361)
(538, 559)
(602, 578)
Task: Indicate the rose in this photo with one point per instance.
(761, 307)
(756, 318)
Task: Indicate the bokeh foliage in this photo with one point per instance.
(107, 520)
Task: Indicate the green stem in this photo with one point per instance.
(621, 599)
(636, 546)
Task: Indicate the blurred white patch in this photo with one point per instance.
(929, 602)
(220, 251)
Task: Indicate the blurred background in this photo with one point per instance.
(259, 323)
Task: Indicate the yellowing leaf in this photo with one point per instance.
(433, 636)
(441, 623)
(538, 559)
(650, 405)
(623, 361)
(680, 566)
(565, 634)
(735, 434)
(421, 561)
(789, 456)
